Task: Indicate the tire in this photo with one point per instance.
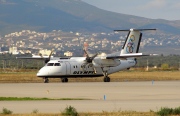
(107, 79)
(46, 80)
(64, 80)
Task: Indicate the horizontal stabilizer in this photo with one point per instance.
(137, 30)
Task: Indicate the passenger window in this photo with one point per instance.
(57, 64)
(50, 64)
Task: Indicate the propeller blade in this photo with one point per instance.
(46, 60)
(86, 52)
(94, 56)
(51, 54)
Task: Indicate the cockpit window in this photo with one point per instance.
(57, 64)
(53, 64)
(50, 64)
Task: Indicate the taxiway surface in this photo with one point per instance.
(113, 96)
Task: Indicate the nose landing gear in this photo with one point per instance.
(46, 80)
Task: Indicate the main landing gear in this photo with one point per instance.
(64, 80)
(106, 78)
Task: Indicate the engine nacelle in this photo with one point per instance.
(98, 62)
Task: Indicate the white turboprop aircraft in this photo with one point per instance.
(93, 66)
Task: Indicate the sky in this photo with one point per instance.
(154, 9)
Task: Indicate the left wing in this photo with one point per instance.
(34, 57)
(45, 58)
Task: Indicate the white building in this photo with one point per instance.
(45, 52)
(13, 50)
(68, 53)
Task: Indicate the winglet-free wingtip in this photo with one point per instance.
(154, 54)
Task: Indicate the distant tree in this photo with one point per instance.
(165, 66)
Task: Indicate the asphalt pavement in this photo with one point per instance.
(99, 96)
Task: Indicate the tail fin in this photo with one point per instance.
(133, 40)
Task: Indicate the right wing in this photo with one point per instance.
(125, 56)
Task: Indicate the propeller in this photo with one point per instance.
(88, 60)
(46, 60)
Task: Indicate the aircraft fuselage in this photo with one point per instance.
(72, 68)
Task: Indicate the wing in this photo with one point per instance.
(125, 56)
(30, 58)
(34, 57)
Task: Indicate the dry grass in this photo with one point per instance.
(146, 76)
(124, 113)
(30, 76)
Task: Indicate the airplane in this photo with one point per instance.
(93, 66)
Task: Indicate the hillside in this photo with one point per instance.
(71, 15)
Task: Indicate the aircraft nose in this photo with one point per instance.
(42, 73)
(39, 74)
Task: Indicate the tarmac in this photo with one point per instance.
(99, 96)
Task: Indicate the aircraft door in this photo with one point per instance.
(68, 68)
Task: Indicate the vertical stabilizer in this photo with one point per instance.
(133, 41)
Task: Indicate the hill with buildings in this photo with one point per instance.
(65, 25)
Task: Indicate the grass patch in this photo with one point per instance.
(70, 111)
(35, 99)
(5, 111)
(35, 111)
(169, 111)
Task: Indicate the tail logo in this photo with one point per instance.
(130, 46)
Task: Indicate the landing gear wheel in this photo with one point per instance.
(64, 80)
(46, 80)
(107, 79)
